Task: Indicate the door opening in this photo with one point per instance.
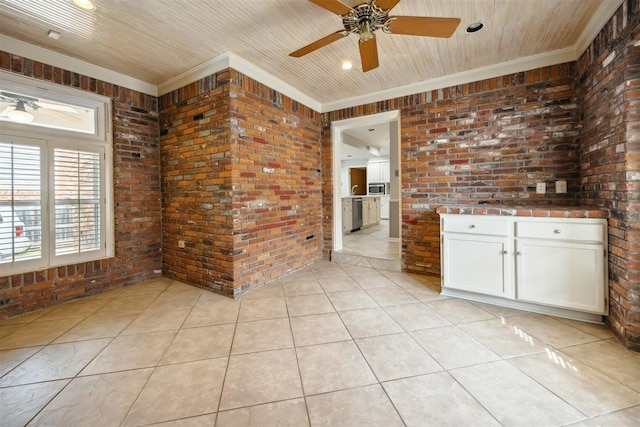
(363, 160)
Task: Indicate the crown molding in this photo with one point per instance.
(231, 60)
(59, 60)
(477, 74)
(599, 19)
(194, 74)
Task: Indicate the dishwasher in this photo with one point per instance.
(356, 214)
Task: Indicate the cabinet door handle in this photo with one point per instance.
(505, 252)
(556, 231)
(518, 253)
(472, 226)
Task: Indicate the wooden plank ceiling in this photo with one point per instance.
(155, 40)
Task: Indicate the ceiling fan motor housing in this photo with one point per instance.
(364, 19)
(367, 17)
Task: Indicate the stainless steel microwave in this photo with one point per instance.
(377, 188)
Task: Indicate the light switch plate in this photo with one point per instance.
(541, 188)
(561, 187)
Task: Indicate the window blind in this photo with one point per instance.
(77, 201)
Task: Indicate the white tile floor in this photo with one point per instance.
(372, 242)
(329, 345)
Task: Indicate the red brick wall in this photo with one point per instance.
(196, 183)
(610, 79)
(277, 199)
(241, 184)
(136, 196)
(488, 141)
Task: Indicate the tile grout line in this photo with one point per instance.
(379, 383)
(159, 359)
(226, 369)
(76, 375)
(295, 350)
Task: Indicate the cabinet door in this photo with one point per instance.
(373, 172)
(347, 216)
(373, 212)
(385, 172)
(384, 208)
(561, 274)
(476, 263)
(365, 213)
(378, 213)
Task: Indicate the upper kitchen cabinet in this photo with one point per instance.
(378, 172)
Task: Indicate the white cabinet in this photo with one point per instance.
(370, 211)
(561, 264)
(378, 172)
(385, 171)
(474, 254)
(384, 207)
(548, 265)
(366, 212)
(347, 215)
(374, 207)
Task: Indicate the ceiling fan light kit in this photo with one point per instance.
(367, 18)
(84, 4)
(20, 114)
(21, 108)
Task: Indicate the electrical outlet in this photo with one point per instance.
(181, 244)
(561, 187)
(541, 188)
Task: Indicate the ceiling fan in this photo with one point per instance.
(370, 16)
(18, 108)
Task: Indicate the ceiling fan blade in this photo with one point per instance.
(6, 111)
(65, 108)
(58, 115)
(423, 26)
(369, 54)
(318, 44)
(387, 4)
(333, 6)
(12, 97)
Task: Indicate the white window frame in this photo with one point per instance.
(49, 139)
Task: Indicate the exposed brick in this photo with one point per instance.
(242, 225)
(609, 166)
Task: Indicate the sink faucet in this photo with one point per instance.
(353, 189)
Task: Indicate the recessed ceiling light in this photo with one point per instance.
(84, 4)
(346, 65)
(53, 34)
(474, 28)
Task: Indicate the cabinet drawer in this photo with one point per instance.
(592, 232)
(475, 225)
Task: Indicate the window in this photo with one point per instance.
(55, 177)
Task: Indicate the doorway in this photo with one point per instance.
(349, 136)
